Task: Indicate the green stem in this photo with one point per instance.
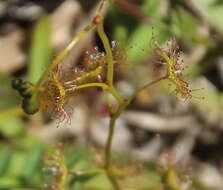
(113, 119)
(144, 87)
(64, 175)
(122, 103)
(63, 53)
(122, 106)
(109, 145)
(116, 94)
(94, 84)
(111, 133)
(105, 87)
(106, 44)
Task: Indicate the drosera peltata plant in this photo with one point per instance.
(55, 164)
(170, 56)
(56, 86)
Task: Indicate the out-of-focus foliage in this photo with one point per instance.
(40, 50)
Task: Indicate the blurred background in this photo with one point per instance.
(156, 123)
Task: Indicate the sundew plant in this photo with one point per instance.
(57, 85)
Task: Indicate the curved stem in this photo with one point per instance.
(106, 44)
(106, 88)
(111, 133)
(94, 84)
(109, 145)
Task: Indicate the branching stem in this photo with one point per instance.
(114, 117)
(122, 102)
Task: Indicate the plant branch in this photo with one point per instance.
(94, 84)
(114, 117)
(106, 44)
(106, 88)
(144, 87)
(111, 133)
